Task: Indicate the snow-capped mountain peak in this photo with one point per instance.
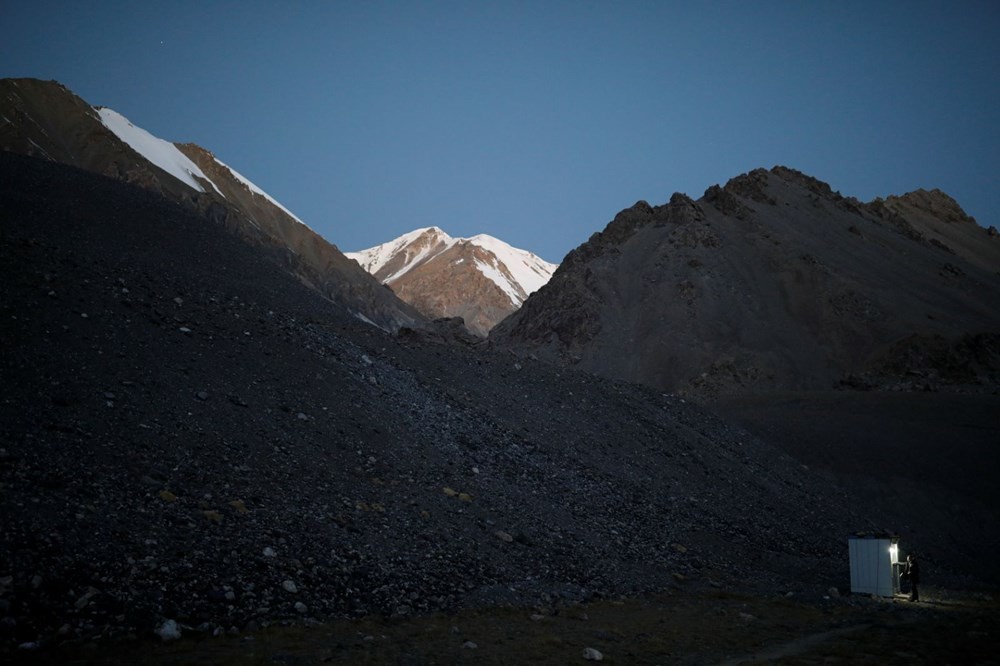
(480, 278)
(390, 261)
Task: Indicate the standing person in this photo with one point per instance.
(913, 574)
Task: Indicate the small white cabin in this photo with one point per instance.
(874, 564)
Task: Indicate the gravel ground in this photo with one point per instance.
(195, 443)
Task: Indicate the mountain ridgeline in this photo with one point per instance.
(46, 120)
(775, 282)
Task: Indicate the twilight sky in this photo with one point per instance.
(537, 121)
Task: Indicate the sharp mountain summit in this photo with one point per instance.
(480, 279)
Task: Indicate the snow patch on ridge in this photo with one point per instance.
(528, 269)
(169, 158)
(494, 273)
(366, 320)
(256, 190)
(374, 258)
(161, 153)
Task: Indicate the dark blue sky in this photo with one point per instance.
(537, 121)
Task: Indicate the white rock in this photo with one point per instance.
(300, 607)
(590, 654)
(269, 552)
(289, 586)
(169, 630)
(469, 645)
(85, 599)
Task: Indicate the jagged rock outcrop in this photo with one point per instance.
(45, 119)
(774, 281)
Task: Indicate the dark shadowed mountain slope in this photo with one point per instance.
(774, 282)
(182, 443)
(46, 120)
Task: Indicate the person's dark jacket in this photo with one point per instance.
(913, 572)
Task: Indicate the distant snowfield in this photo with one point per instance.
(518, 273)
(161, 153)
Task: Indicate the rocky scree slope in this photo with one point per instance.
(180, 442)
(774, 282)
(46, 120)
(479, 279)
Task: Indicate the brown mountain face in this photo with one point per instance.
(47, 120)
(441, 287)
(411, 253)
(774, 282)
(480, 279)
